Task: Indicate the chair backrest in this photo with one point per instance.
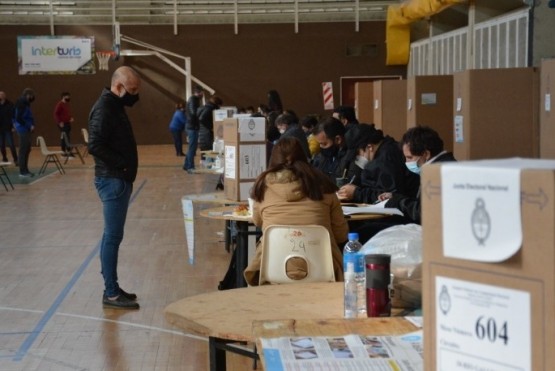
(290, 243)
(43, 147)
(85, 133)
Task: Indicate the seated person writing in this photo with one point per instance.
(421, 146)
(384, 171)
(292, 192)
(335, 159)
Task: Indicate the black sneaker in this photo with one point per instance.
(128, 295)
(121, 302)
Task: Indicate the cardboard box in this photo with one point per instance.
(390, 98)
(364, 93)
(495, 113)
(489, 265)
(547, 113)
(430, 103)
(219, 116)
(245, 155)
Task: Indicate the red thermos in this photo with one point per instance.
(378, 303)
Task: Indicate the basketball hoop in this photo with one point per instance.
(103, 58)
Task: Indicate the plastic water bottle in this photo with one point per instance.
(352, 256)
(350, 296)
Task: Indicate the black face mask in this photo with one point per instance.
(31, 99)
(129, 99)
(329, 152)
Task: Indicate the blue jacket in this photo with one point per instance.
(178, 121)
(23, 117)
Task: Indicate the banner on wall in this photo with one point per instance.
(55, 55)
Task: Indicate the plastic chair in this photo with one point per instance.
(72, 149)
(85, 133)
(49, 156)
(310, 243)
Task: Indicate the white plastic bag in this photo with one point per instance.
(404, 244)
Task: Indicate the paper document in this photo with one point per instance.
(350, 352)
(371, 209)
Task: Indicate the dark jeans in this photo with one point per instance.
(115, 195)
(178, 141)
(6, 138)
(193, 144)
(24, 150)
(67, 129)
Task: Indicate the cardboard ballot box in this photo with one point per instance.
(547, 111)
(489, 265)
(245, 155)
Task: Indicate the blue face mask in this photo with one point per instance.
(413, 167)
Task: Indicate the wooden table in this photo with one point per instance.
(378, 326)
(227, 316)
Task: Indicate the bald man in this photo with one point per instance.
(112, 143)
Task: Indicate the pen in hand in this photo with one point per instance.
(352, 179)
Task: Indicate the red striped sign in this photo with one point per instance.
(327, 90)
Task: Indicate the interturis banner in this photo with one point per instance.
(55, 55)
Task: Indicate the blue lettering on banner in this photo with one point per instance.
(58, 51)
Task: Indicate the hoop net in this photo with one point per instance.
(103, 59)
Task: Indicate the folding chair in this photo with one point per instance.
(72, 149)
(49, 156)
(4, 175)
(284, 244)
(85, 133)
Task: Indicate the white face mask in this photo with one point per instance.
(281, 131)
(361, 161)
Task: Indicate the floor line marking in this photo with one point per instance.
(29, 340)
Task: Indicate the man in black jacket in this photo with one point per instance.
(192, 127)
(421, 145)
(112, 143)
(6, 128)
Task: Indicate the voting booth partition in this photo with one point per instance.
(489, 265)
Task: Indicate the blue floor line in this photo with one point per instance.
(28, 342)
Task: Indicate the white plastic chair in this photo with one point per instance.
(49, 156)
(85, 133)
(310, 243)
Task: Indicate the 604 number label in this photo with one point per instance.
(489, 329)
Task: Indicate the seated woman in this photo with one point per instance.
(292, 192)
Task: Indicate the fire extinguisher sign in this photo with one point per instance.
(327, 92)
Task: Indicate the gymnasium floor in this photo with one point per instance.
(51, 315)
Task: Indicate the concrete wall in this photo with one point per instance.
(241, 68)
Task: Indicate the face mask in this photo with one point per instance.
(361, 161)
(328, 152)
(281, 131)
(67, 100)
(129, 99)
(413, 167)
(31, 98)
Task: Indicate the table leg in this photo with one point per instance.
(217, 355)
(242, 253)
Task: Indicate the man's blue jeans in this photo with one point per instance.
(193, 143)
(115, 194)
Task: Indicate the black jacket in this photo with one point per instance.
(111, 139)
(341, 164)
(295, 131)
(193, 105)
(411, 206)
(387, 172)
(6, 116)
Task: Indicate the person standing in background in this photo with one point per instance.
(206, 120)
(177, 126)
(6, 128)
(63, 118)
(24, 125)
(113, 145)
(192, 127)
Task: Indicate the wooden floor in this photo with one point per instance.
(51, 315)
